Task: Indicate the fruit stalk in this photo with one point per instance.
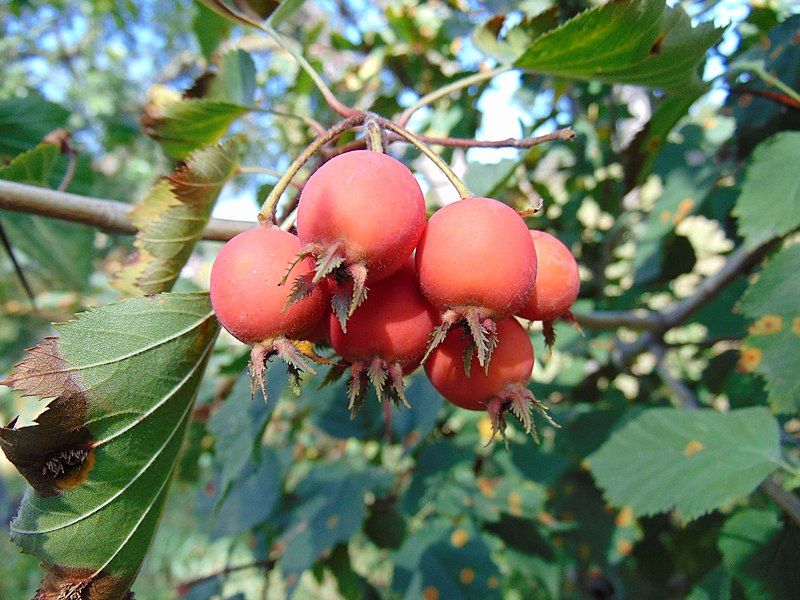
(267, 212)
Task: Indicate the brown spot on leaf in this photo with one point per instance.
(69, 583)
(624, 547)
(50, 452)
(625, 517)
(766, 325)
(466, 576)
(655, 49)
(745, 100)
(796, 326)
(430, 593)
(692, 448)
(459, 538)
(749, 359)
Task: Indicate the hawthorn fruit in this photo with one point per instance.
(452, 369)
(360, 216)
(386, 337)
(476, 264)
(250, 303)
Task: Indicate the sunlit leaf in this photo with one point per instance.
(171, 219)
(769, 205)
(630, 41)
(693, 461)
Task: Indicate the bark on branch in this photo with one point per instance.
(108, 215)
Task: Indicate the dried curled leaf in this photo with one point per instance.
(171, 219)
(99, 458)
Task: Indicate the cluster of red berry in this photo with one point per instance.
(389, 290)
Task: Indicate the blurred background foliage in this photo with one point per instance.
(643, 198)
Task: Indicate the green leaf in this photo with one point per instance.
(773, 343)
(694, 461)
(630, 41)
(63, 252)
(769, 205)
(441, 562)
(239, 424)
(285, 11)
(99, 459)
(329, 510)
(509, 47)
(236, 79)
(185, 125)
(762, 554)
(210, 29)
(171, 219)
(251, 498)
(25, 121)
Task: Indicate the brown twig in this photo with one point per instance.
(17, 267)
(451, 142)
(108, 215)
(776, 97)
(265, 563)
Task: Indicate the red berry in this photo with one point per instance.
(249, 300)
(476, 263)
(499, 389)
(557, 280)
(512, 363)
(360, 215)
(393, 323)
(387, 336)
(245, 290)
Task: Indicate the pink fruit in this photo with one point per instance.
(387, 336)
(501, 388)
(557, 280)
(360, 216)
(476, 263)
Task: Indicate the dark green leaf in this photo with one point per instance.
(447, 563)
(25, 121)
(762, 553)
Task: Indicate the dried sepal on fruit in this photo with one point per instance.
(476, 264)
(385, 338)
(499, 390)
(360, 217)
(556, 286)
(249, 300)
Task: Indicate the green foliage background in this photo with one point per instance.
(652, 488)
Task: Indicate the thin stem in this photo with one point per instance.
(789, 502)
(17, 267)
(70, 172)
(373, 135)
(336, 105)
(265, 564)
(566, 135)
(448, 89)
(450, 142)
(290, 220)
(756, 68)
(318, 127)
(427, 151)
(240, 17)
(267, 212)
(777, 83)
